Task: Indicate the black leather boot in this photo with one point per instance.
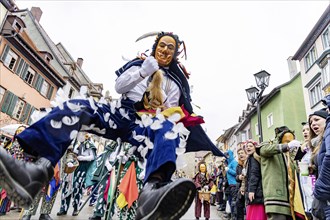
(75, 212)
(45, 217)
(23, 180)
(61, 212)
(169, 201)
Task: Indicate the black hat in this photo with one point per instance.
(321, 113)
(303, 123)
(280, 131)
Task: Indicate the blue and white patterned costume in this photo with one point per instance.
(158, 139)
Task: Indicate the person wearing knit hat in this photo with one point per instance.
(323, 113)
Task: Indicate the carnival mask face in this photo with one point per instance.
(165, 50)
(202, 168)
(20, 129)
(287, 137)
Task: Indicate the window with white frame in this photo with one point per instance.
(2, 93)
(243, 136)
(310, 58)
(326, 38)
(325, 75)
(11, 60)
(315, 93)
(270, 120)
(18, 110)
(30, 76)
(257, 128)
(44, 88)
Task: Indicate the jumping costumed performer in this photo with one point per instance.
(148, 84)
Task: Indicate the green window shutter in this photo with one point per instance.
(26, 112)
(37, 82)
(12, 105)
(31, 112)
(24, 71)
(4, 53)
(7, 100)
(40, 82)
(20, 65)
(50, 92)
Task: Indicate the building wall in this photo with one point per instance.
(287, 107)
(309, 74)
(3, 12)
(294, 111)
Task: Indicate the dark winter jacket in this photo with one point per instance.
(254, 181)
(239, 169)
(322, 185)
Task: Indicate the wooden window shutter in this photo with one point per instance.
(12, 105)
(24, 71)
(39, 83)
(26, 112)
(35, 81)
(20, 65)
(31, 112)
(50, 92)
(5, 52)
(7, 100)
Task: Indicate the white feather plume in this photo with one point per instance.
(171, 135)
(139, 138)
(87, 127)
(106, 116)
(73, 134)
(124, 113)
(146, 120)
(98, 130)
(112, 124)
(92, 104)
(101, 102)
(148, 143)
(113, 107)
(118, 103)
(180, 151)
(139, 122)
(157, 124)
(74, 107)
(59, 99)
(174, 118)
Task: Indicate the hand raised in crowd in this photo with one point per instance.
(293, 145)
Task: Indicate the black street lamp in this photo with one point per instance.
(254, 95)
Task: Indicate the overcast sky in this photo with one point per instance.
(227, 42)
